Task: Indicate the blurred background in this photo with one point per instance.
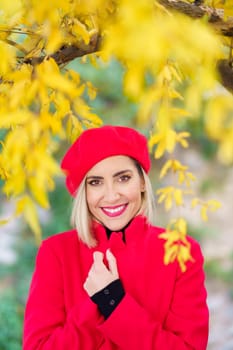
(214, 181)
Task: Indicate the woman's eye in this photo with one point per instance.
(124, 178)
(94, 182)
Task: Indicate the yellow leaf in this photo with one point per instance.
(170, 140)
(184, 256)
(167, 73)
(31, 217)
(179, 112)
(189, 177)
(193, 100)
(175, 74)
(73, 128)
(79, 29)
(195, 202)
(93, 60)
(48, 72)
(15, 184)
(225, 151)
(170, 254)
(165, 168)
(175, 94)
(168, 202)
(20, 205)
(153, 140)
(74, 75)
(62, 105)
(164, 235)
(147, 104)
(38, 191)
(161, 198)
(213, 204)
(91, 90)
(178, 196)
(11, 12)
(180, 137)
(228, 8)
(204, 213)
(14, 118)
(170, 236)
(4, 222)
(7, 60)
(93, 118)
(185, 252)
(181, 225)
(133, 82)
(160, 150)
(181, 177)
(55, 39)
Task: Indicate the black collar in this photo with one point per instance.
(109, 232)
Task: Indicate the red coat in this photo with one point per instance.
(163, 308)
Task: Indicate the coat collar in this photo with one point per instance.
(133, 231)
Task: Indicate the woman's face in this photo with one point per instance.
(114, 191)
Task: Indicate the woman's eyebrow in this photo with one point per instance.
(94, 177)
(122, 172)
(97, 177)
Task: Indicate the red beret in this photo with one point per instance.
(96, 144)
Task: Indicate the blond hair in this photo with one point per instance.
(81, 217)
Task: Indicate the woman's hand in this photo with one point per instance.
(99, 275)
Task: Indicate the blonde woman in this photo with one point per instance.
(103, 285)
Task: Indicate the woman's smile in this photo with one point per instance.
(115, 210)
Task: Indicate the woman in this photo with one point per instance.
(103, 285)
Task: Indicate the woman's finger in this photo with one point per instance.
(98, 257)
(112, 263)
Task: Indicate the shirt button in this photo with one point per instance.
(112, 302)
(106, 291)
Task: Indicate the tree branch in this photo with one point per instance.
(222, 27)
(225, 28)
(68, 53)
(225, 70)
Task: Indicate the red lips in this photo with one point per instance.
(114, 211)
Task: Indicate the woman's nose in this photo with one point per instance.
(111, 193)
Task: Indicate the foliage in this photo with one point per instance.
(170, 66)
(10, 323)
(13, 296)
(15, 278)
(110, 103)
(216, 270)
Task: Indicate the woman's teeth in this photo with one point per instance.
(114, 211)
